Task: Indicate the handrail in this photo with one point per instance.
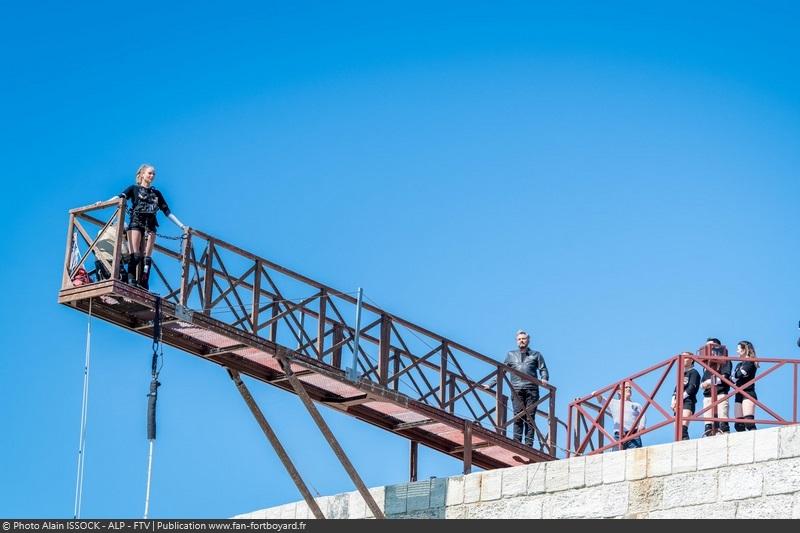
(587, 433)
(209, 275)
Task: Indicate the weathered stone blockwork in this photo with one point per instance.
(742, 475)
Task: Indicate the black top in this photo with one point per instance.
(722, 388)
(145, 200)
(745, 371)
(691, 383)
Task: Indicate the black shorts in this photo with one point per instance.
(741, 397)
(689, 404)
(145, 222)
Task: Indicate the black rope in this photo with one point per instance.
(152, 396)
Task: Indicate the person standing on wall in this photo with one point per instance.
(714, 348)
(691, 384)
(525, 393)
(745, 371)
(628, 415)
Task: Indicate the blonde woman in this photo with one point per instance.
(745, 371)
(145, 202)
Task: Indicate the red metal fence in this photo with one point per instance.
(587, 417)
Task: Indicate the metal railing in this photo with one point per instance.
(256, 295)
(587, 416)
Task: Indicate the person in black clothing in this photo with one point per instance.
(691, 383)
(715, 348)
(145, 202)
(745, 371)
(525, 393)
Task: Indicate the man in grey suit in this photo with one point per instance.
(525, 393)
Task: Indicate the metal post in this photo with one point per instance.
(208, 288)
(276, 443)
(467, 447)
(273, 328)
(66, 282)
(679, 401)
(302, 327)
(186, 250)
(412, 476)
(551, 441)
(352, 372)
(443, 376)
(395, 370)
(323, 300)
(622, 433)
(794, 395)
(338, 337)
(326, 432)
(117, 260)
(499, 404)
(256, 310)
(383, 349)
(451, 392)
(570, 444)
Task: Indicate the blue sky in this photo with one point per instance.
(618, 179)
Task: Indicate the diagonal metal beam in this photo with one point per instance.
(326, 432)
(276, 443)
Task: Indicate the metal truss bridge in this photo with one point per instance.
(257, 318)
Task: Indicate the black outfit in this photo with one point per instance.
(745, 371)
(691, 384)
(525, 393)
(722, 389)
(145, 203)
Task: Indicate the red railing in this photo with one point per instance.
(204, 274)
(587, 416)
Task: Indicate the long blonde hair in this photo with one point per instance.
(141, 170)
(749, 350)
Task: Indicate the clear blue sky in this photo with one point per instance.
(619, 179)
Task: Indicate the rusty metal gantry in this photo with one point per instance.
(257, 318)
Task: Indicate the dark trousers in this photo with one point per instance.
(521, 399)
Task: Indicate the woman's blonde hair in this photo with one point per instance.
(141, 170)
(749, 350)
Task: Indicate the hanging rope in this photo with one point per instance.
(84, 413)
(152, 397)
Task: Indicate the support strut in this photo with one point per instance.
(276, 444)
(326, 432)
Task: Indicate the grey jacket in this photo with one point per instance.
(531, 363)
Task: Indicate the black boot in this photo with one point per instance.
(739, 426)
(133, 267)
(685, 433)
(751, 426)
(708, 430)
(144, 281)
(724, 427)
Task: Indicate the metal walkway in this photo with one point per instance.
(239, 310)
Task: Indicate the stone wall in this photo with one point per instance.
(742, 475)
